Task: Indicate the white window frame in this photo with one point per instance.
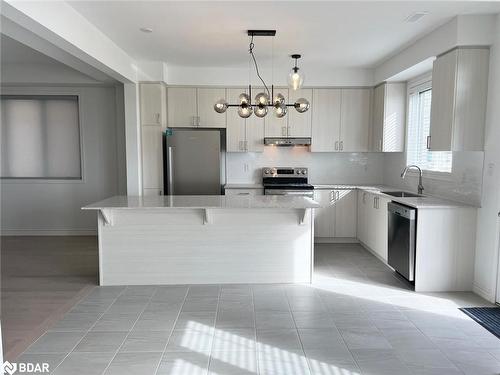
(50, 91)
(419, 84)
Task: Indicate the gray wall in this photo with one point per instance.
(53, 207)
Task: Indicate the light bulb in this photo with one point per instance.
(260, 110)
(301, 105)
(295, 79)
(278, 100)
(244, 110)
(220, 106)
(262, 98)
(244, 98)
(280, 111)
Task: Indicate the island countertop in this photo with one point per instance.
(203, 201)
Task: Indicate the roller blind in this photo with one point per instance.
(419, 116)
(40, 137)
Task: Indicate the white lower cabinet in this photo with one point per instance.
(337, 216)
(372, 222)
(249, 191)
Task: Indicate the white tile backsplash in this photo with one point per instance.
(324, 168)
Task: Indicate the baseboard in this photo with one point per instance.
(48, 232)
(335, 240)
(489, 296)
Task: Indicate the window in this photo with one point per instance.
(419, 116)
(40, 137)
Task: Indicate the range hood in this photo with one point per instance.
(287, 142)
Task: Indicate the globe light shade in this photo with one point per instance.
(278, 100)
(220, 106)
(295, 79)
(280, 111)
(261, 99)
(260, 110)
(244, 98)
(245, 110)
(301, 105)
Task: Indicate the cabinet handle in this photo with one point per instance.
(336, 145)
(240, 146)
(428, 142)
(341, 145)
(337, 195)
(245, 143)
(375, 202)
(380, 144)
(157, 116)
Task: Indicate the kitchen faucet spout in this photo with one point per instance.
(420, 185)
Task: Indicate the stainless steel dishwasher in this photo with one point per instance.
(402, 239)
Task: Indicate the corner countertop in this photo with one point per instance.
(422, 202)
(203, 202)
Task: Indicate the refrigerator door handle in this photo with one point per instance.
(170, 171)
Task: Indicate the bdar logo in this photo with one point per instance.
(9, 368)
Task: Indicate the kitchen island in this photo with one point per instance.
(205, 239)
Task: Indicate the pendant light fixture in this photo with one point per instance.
(296, 77)
(263, 100)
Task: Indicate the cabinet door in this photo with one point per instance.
(255, 134)
(324, 217)
(377, 128)
(182, 110)
(371, 219)
(355, 120)
(152, 160)
(381, 227)
(361, 219)
(153, 104)
(325, 120)
(274, 126)
(394, 119)
(345, 213)
(207, 116)
(443, 101)
(235, 130)
(299, 124)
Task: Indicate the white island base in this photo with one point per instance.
(205, 240)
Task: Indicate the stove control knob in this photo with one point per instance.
(267, 171)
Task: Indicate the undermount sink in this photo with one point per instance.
(402, 194)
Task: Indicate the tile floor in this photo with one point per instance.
(357, 318)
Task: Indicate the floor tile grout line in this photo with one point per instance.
(92, 326)
(298, 333)
(172, 330)
(130, 331)
(215, 328)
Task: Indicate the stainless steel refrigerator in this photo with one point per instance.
(192, 161)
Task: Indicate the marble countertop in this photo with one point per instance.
(417, 202)
(203, 202)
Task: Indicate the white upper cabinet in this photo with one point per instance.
(194, 107)
(182, 107)
(325, 120)
(459, 91)
(340, 120)
(153, 104)
(388, 117)
(275, 127)
(299, 124)
(243, 135)
(207, 117)
(355, 120)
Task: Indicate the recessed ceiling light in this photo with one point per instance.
(146, 29)
(416, 16)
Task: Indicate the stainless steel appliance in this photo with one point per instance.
(286, 181)
(402, 239)
(192, 161)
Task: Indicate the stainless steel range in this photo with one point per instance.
(286, 181)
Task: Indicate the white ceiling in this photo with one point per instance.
(213, 34)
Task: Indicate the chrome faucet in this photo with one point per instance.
(420, 186)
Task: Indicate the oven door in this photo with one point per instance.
(292, 192)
